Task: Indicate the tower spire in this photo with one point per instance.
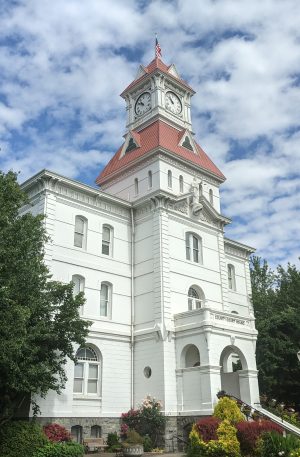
(158, 54)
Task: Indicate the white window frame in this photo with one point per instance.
(79, 281)
(107, 243)
(107, 299)
(231, 277)
(193, 248)
(150, 179)
(170, 179)
(86, 362)
(181, 184)
(195, 301)
(80, 234)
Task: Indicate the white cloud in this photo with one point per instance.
(63, 65)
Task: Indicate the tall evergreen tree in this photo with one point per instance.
(39, 318)
(276, 301)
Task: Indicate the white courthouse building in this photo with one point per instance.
(167, 292)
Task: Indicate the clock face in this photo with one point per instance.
(143, 103)
(173, 103)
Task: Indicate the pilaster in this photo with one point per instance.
(223, 272)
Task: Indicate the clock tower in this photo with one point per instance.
(158, 92)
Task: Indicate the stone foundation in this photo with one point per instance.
(107, 424)
(176, 431)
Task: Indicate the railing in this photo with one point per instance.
(195, 303)
(263, 412)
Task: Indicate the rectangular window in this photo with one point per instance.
(79, 232)
(106, 240)
(93, 379)
(78, 378)
(104, 300)
(187, 246)
(195, 249)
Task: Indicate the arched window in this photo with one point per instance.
(96, 431)
(107, 238)
(80, 232)
(76, 433)
(170, 179)
(181, 183)
(87, 372)
(193, 247)
(231, 277)
(211, 196)
(196, 298)
(136, 186)
(149, 179)
(79, 283)
(105, 299)
(190, 356)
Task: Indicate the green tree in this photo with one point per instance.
(39, 318)
(276, 301)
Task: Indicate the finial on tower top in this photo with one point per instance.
(157, 48)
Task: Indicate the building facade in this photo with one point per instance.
(167, 292)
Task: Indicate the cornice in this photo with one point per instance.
(47, 181)
(237, 249)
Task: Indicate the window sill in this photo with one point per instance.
(86, 397)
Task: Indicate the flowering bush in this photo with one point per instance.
(146, 420)
(207, 428)
(273, 445)
(249, 432)
(56, 433)
(226, 408)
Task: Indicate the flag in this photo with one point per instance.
(157, 49)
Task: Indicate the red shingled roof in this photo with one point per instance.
(156, 64)
(158, 135)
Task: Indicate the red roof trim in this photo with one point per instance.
(158, 135)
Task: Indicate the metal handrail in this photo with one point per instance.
(261, 412)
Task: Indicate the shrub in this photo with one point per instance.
(226, 444)
(226, 408)
(196, 446)
(112, 439)
(20, 438)
(56, 433)
(147, 420)
(295, 453)
(207, 428)
(133, 437)
(67, 449)
(249, 432)
(273, 445)
(147, 443)
(227, 440)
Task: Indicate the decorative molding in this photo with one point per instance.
(232, 320)
(64, 190)
(235, 251)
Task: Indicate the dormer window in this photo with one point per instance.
(211, 197)
(187, 144)
(149, 179)
(170, 179)
(181, 184)
(136, 186)
(131, 146)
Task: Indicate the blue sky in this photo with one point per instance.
(64, 63)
